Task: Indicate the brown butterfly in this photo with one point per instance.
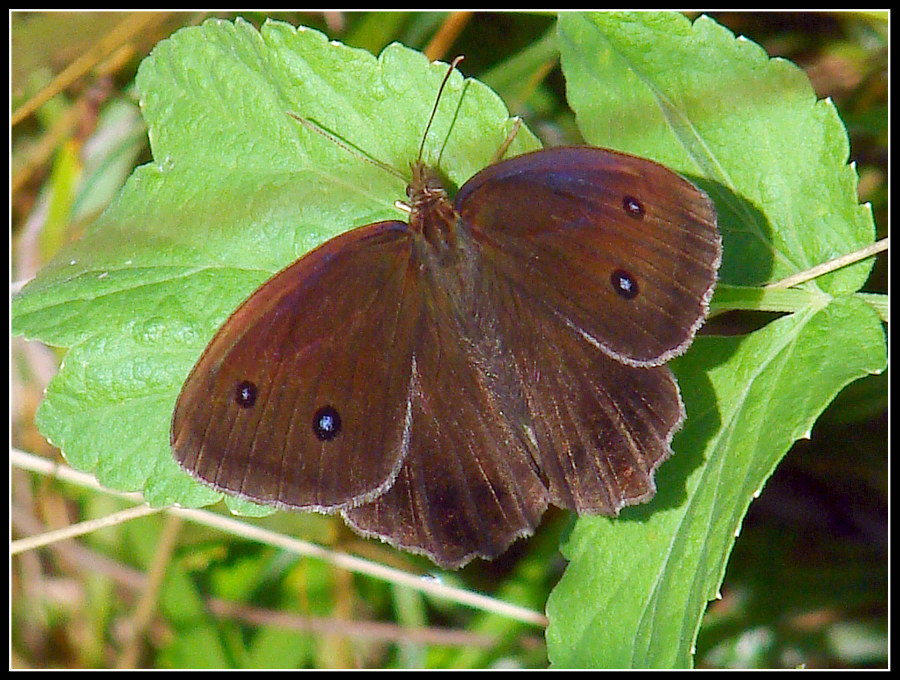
(440, 382)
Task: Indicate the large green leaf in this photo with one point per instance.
(238, 189)
(750, 131)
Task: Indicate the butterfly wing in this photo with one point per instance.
(325, 338)
(621, 248)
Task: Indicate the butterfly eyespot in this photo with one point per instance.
(326, 423)
(633, 207)
(245, 394)
(624, 284)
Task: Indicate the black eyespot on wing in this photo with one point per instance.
(245, 394)
(633, 207)
(624, 284)
(326, 423)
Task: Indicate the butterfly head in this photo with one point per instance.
(432, 214)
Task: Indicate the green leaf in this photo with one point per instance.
(749, 130)
(237, 190)
(636, 587)
(198, 646)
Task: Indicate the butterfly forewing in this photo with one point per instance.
(622, 248)
(296, 401)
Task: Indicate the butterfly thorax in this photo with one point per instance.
(442, 251)
(432, 215)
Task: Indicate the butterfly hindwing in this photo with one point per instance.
(601, 427)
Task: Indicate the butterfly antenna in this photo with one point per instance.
(352, 150)
(437, 101)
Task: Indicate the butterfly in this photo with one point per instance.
(440, 382)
